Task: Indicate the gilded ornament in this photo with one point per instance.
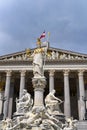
(28, 52)
(38, 50)
(49, 53)
(38, 41)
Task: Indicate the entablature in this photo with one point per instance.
(49, 64)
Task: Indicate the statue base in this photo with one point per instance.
(38, 85)
(69, 129)
(36, 128)
(82, 125)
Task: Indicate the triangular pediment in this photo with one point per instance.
(52, 54)
(66, 55)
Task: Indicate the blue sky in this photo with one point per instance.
(23, 21)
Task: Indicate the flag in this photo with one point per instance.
(42, 35)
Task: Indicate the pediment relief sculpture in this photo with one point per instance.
(54, 55)
(51, 55)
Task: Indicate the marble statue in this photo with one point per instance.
(49, 125)
(70, 124)
(6, 124)
(53, 55)
(53, 103)
(57, 55)
(38, 116)
(25, 103)
(38, 61)
(63, 56)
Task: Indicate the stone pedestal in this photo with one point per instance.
(82, 125)
(69, 129)
(36, 128)
(38, 85)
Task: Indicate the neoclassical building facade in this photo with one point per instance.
(65, 71)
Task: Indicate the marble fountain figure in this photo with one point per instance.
(35, 115)
(25, 103)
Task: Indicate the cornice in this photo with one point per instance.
(47, 62)
(68, 51)
(15, 54)
(59, 62)
(20, 62)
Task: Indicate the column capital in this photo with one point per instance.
(51, 72)
(66, 72)
(8, 72)
(22, 72)
(81, 72)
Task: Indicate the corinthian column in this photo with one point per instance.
(22, 83)
(11, 95)
(51, 80)
(67, 110)
(7, 90)
(81, 95)
(1, 101)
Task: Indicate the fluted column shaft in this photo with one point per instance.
(11, 95)
(81, 95)
(1, 101)
(22, 83)
(67, 110)
(7, 90)
(51, 80)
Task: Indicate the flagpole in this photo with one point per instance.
(47, 40)
(44, 58)
(48, 36)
